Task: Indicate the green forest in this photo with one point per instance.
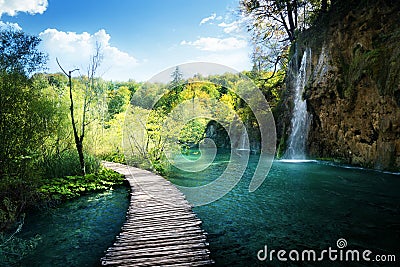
(57, 128)
(40, 162)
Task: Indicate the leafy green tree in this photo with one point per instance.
(274, 25)
(177, 76)
(19, 58)
(147, 94)
(19, 53)
(56, 94)
(118, 99)
(26, 120)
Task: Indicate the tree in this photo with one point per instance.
(272, 17)
(176, 76)
(26, 120)
(19, 58)
(89, 95)
(118, 100)
(19, 53)
(274, 25)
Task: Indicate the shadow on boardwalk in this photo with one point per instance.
(160, 229)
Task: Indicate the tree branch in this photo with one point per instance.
(275, 68)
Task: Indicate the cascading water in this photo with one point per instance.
(300, 119)
(244, 142)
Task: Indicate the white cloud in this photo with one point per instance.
(237, 26)
(230, 27)
(12, 7)
(9, 25)
(210, 18)
(74, 51)
(217, 44)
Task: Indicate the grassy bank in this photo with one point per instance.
(60, 189)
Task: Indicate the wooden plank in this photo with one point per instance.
(162, 226)
(156, 243)
(159, 260)
(161, 250)
(162, 217)
(160, 229)
(134, 236)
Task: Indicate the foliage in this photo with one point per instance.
(17, 193)
(114, 157)
(147, 93)
(67, 163)
(60, 189)
(275, 24)
(118, 100)
(178, 119)
(270, 84)
(91, 92)
(177, 76)
(19, 53)
(193, 131)
(26, 121)
(38, 141)
(35, 122)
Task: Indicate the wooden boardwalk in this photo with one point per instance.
(160, 229)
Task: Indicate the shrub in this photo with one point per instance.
(59, 189)
(114, 157)
(67, 164)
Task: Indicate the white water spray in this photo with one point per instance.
(300, 119)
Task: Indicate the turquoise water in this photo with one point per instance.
(78, 232)
(307, 205)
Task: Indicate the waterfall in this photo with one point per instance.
(244, 144)
(300, 118)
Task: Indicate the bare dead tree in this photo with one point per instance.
(94, 64)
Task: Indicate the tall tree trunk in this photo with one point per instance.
(79, 148)
(78, 140)
(94, 64)
(292, 27)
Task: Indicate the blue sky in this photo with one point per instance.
(138, 38)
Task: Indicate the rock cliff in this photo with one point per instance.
(353, 90)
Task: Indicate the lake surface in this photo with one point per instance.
(308, 205)
(78, 232)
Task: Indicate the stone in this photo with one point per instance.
(354, 116)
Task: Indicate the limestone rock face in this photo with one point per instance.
(218, 134)
(353, 92)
